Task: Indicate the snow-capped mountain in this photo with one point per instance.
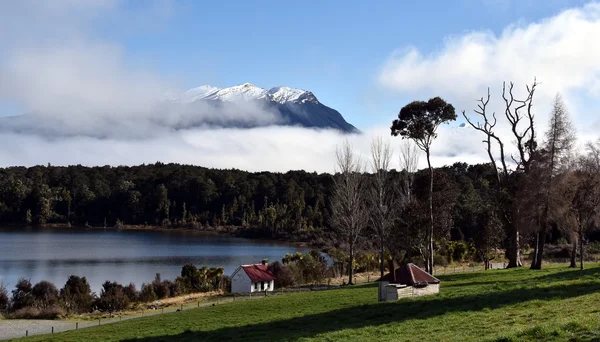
(295, 107)
(242, 106)
(247, 92)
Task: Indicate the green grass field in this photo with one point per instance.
(556, 304)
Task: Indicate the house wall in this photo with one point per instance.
(395, 293)
(382, 290)
(240, 282)
(428, 290)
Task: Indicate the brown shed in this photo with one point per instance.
(407, 281)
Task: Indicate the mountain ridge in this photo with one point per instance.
(297, 107)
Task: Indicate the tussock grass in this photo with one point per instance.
(555, 304)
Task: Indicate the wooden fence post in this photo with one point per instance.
(76, 325)
(53, 330)
(26, 333)
(99, 321)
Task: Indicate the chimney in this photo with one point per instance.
(265, 261)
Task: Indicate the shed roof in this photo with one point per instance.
(258, 272)
(410, 274)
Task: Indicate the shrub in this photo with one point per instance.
(77, 295)
(161, 289)
(226, 283)
(21, 295)
(593, 248)
(558, 252)
(4, 300)
(44, 294)
(174, 288)
(30, 312)
(147, 293)
(131, 292)
(112, 297)
(284, 274)
(440, 260)
(460, 251)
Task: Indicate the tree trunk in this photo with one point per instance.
(514, 255)
(574, 251)
(535, 251)
(581, 248)
(382, 268)
(430, 237)
(350, 264)
(540, 251)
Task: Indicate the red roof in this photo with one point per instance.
(410, 274)
(258, 273)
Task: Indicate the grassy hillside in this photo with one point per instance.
(556, 304)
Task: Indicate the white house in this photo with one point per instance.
(252, 278)
(407, 281)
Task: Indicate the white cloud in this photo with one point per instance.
(560, 51)
(94, 108)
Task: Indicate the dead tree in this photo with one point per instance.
(383, 197)
(516, 111)
(349, 212)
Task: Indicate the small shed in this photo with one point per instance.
(252, 278)
(407, 281)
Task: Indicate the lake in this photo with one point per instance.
(122, 256)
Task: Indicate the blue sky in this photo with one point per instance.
(335, 51)
(364, 59)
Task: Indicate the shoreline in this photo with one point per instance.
(232, 231)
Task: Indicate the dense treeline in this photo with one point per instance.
(289, 206)
(293, 205)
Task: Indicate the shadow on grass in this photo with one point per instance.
(377, 314)
(570, 274)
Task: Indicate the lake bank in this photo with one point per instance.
(232, 231)
(124, 255)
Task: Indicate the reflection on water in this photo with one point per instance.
(123, 256)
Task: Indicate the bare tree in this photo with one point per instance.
(516, 112)
(349, 212)
(407, 233)
(409, 162)
(382, 196)
(558, 146)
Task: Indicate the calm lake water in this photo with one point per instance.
(122, 256)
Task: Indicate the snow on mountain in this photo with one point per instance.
(246, 92)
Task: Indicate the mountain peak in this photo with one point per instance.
(248, 91)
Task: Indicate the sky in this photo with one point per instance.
(96, 69)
